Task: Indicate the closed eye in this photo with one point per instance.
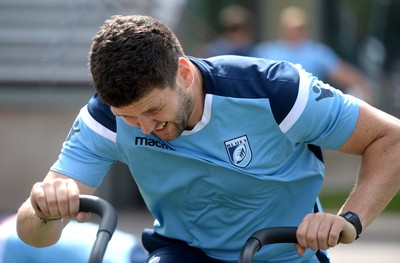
(153, 111)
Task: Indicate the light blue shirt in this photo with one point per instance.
(253, 161)
(315, 57)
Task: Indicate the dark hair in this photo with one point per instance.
(132, 55)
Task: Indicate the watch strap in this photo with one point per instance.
(353, 219)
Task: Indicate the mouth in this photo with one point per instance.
(161, 126)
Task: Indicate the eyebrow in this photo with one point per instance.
(153, 108)
(149, 110)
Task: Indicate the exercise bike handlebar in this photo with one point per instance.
(109, 220)
(106, 211)
(266, 236)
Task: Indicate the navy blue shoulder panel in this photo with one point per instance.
(283, 81)
(101, 112)
(246, 77)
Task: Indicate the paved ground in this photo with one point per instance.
(378, 243)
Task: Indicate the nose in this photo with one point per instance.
(146, 124)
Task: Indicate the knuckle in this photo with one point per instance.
(52, 203)
(58, 181)
(311, 238)
(46, 183)
(300, 235)
(334, 236)
(62, 201)
(36, 188)
(309, 216)
(38, 196)
(74, 196)
(321, 237)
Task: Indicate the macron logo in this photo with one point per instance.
(143, 141)
(323, 92)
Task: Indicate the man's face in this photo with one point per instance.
(163, 112)
(294, 31)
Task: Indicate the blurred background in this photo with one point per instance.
(44, 80)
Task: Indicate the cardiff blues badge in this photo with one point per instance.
(239, 151)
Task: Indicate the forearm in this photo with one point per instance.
(378, 181)
(34, 231)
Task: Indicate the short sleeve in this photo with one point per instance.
(87, 154)
(322, 115)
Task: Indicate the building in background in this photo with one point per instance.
(45, 42)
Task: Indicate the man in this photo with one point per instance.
(219, 148)
(317, 58)
(237, 37)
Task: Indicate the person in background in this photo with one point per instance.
(237, 37)
(74, 246)
(315, 57)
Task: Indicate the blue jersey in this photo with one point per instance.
(253, 161)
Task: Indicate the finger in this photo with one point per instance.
(300, 250)
(38, 200)
(82, 217)
(62, 199)
(73, 197)
(51, 199)
(312, 235)
(324, 232)
(334, 234)
(301, 233)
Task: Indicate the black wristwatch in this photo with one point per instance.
(353, 219)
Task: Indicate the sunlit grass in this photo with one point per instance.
(333, 201)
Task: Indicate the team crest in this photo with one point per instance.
(239, 151)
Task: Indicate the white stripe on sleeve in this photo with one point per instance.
(96, 126)
(300, 103)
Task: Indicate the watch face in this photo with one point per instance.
(347, 215)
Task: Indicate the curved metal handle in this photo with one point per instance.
(266, 236)
(109, 219)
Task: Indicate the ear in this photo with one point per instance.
(185, 72)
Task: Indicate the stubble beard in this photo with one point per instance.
(180, 123)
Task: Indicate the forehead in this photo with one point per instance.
(155, 99)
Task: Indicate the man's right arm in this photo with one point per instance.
(51, 205)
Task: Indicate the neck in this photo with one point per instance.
(198, 95)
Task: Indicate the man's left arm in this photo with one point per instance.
(376, 138)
